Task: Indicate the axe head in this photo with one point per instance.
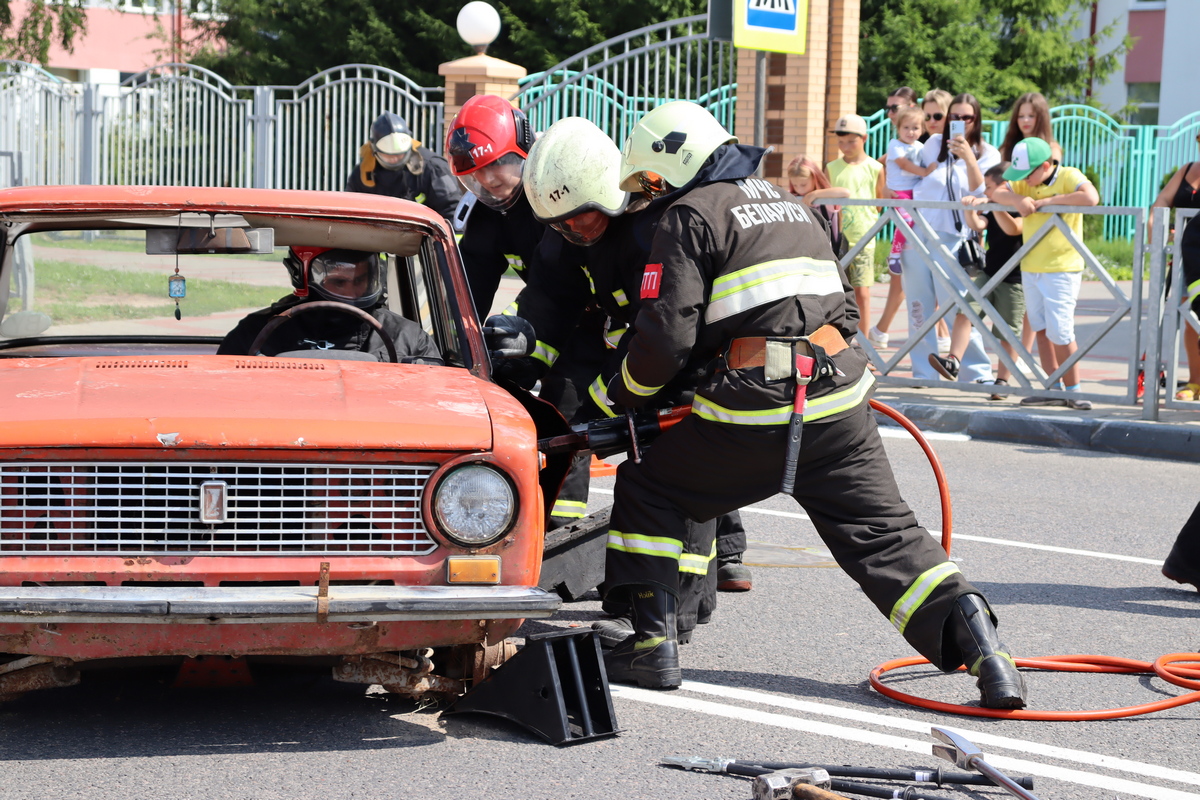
(779, 785)
(955, 748)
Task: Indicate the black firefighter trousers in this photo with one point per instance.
(701, 469)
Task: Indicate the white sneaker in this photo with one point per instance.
(877, 337)
(943, 345)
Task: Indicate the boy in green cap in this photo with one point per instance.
(1053, 269)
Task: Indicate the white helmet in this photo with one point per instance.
(672, 142)
(574, 167)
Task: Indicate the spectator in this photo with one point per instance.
(959, 166)
(1030, 117)
(1183, 563)
(899, 102)
(936, 105)
(808, 183)
(1052, 271)
(1003, 241)
(1183, 191)
(863, 176)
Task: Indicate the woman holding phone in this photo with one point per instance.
(961, 157)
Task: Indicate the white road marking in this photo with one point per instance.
(895, 432)
(1071, 551)
(683, 702)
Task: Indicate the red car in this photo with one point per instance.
(160, 500)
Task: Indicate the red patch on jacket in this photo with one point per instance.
(651, 281)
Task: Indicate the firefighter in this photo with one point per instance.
(488, 143)
(595, 256)
(352, 277)
(392, 163)
(742, 275)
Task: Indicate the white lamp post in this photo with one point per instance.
(478, 24)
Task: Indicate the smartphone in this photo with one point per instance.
(958, 127)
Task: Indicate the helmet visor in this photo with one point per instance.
(583, 229)
(347, 276)
(497, 185)
(393, 150)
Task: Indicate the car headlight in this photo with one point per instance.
(474, 505)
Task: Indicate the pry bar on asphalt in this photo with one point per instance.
(957, 750)
(935, 775)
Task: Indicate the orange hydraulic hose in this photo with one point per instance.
(1168, 667)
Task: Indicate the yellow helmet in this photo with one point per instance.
(671, 141)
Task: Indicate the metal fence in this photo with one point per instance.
(182, 125)
(1128, 163)
(1139, 323)
(617, 81)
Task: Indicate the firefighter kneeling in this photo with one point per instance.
(741, 273)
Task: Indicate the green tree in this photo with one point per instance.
(996, 50)
(44, 23)
(287, 41)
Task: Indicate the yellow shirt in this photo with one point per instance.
(1053, 253)
(861, 180)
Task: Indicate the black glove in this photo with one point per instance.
(508, 337)
(524, 372)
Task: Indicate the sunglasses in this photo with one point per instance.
(935, 117)
(962, 117)
(893, 108)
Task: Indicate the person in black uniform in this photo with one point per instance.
(742, 275)
(488, 143)
(392, 163)
(352, 277)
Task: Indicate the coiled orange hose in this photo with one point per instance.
(1168, 667)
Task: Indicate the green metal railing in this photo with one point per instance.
(1128, 162)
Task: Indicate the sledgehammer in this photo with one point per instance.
(785, 784)
(960, 752)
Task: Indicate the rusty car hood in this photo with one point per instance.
(235, 401)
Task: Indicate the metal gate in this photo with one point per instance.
(177, 124)
(38, 113)
(614, 83)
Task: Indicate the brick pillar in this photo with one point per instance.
(480, 74)
(805, 94)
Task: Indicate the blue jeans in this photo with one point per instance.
(924, 295)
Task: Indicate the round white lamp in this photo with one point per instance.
(478, 24)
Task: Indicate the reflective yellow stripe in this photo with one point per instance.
(545, 353)
(569, 508)
(619, 296)
(919, 592)
(632, 385)
(515, 262)
(599, 394)
(1193, 291)
(695, 564)
(843, 400)
(707, 409)
(612, 338)
(419, 198)
(660, 546)
(511, 310)
(772, 280)
(591, 283)
(646, 644)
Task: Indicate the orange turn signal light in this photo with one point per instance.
(473, 569)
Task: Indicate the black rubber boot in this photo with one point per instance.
(649, 658)
(1000, 684)
(615, 630)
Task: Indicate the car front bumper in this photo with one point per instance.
(215, 605)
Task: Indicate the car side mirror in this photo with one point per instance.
(508, 337)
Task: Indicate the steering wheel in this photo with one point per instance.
(329, 305)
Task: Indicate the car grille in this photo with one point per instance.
(146, 509)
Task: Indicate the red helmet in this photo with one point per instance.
(489, 132)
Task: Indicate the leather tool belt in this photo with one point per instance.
(777, 354)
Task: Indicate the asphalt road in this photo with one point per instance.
(1065, 543)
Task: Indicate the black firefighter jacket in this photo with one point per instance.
(425, 179)
(734, 256)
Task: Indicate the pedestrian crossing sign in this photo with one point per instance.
(777, 26)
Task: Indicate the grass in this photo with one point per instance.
(71, 293)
